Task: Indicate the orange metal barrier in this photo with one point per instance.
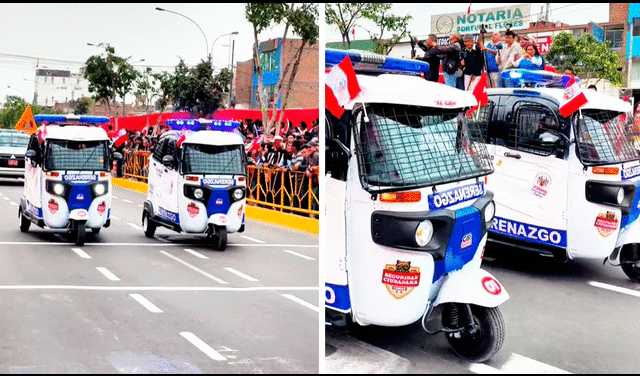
(281, 190)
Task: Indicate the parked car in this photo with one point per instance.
(13, 146)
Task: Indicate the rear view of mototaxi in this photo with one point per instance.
(68, 176)
(407, 212)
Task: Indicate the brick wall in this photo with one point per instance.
(243, 83)
(619, 12)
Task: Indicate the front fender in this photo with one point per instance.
(471, 286)
(218, 219)
(630, 234)
(79, 215)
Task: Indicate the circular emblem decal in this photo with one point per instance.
(444, 24)
(491, 285)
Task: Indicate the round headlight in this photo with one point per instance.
(99, 189)
(424, 232)
(237, 194)
(620, 197)
(489, 212)
(58, 189)
(197, 193)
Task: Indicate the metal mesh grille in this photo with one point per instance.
(77, 155)
(410, 147)
(534, 129)
(604, 137)
(209, 159)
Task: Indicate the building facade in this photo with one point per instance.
(275, 55)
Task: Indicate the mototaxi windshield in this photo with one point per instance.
(76, 155)
(214, 159)
(605, 137)
(404, 147)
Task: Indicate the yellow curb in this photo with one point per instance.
(293, 221)
(130, 184)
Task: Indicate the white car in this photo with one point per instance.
(13, 146)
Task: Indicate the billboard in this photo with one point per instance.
(495, 19)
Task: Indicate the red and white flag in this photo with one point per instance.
(120, 138)
(572, 99)
(469, 9)
(183, 136)
(255, 145)
(341, 86)
(43, 132)
(480, 92)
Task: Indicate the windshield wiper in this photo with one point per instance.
(88, 158)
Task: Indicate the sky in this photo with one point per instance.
(57, 35)
(420, 25)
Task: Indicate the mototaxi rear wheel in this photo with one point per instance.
(25, 223)
(477, 344)
(148, 225)
(629, 261)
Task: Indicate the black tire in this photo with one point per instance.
(79, 233)
(220, 238)
(484, 344)
(25, 223)
(629, 262)
(148, 225)
(96, 230)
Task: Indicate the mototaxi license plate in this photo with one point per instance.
(13, 162)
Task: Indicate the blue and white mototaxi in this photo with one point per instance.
(406, 208)
(197, 180)
(68, 176)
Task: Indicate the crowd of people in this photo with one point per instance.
(464, 60)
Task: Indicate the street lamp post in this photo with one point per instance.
(205, 37)
(23, 93)
(214, 42)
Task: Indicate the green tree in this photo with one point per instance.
(303, 22)
(14, 108)
(586, 56)
(194, 90)
(344, 17)
(81, 106)
(222, 81)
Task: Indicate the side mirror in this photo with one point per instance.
(168, 161)
(117, 157)
(31, 154)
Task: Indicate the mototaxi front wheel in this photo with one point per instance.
(220, 238)
(148, 225)
(25, 223)
(79, 233)
(481, 341)
(630, 261)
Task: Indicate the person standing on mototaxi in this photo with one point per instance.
(451, 62)
(491, 50)
(472, 63)
(431, 56)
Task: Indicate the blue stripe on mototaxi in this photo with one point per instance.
(464, 241)
(168, 215)
(634, 212)
(79, 197)
(219, 202)
(337, 297)
(529, 233)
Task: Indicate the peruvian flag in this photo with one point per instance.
(480, 92)
(341, 86)
(43, 132)
(469, 9)
(183, 136)
(255, 145)
(572, 99)
(120, 138)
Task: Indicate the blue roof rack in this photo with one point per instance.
(83, 119)
(368, 62)
(202, 124)
(534, 78)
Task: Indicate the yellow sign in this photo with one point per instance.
(27, 123)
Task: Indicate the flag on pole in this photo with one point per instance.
(42, 133)
(480, 92)
(120, 138)
(469, 9)
(255, 145)
(572, 99)
(26, 122)
(341, 86)
(353, 33)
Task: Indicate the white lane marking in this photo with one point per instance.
(194, 268)
(156, 288)
(302, 302)
(252, 239)
(116, 218)
(202, 346)
(195, 253)
(5, 198)
(135, 226)
(13, 203)
(518, 364)
(81, 253)
(107, 273)
(127, 201)
(483, 369)
(162, 239)
(112, 196)
(615, 288)
(155, 244)
(140, 205)
(241, 275)
(146, 303)
(299, 254)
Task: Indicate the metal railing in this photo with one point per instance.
(276, 189)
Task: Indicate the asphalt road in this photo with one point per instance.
(577, 317)
(123, 303)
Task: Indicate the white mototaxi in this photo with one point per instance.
(197, 180)
(68, 176)
(565, 187)
(407, 211)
